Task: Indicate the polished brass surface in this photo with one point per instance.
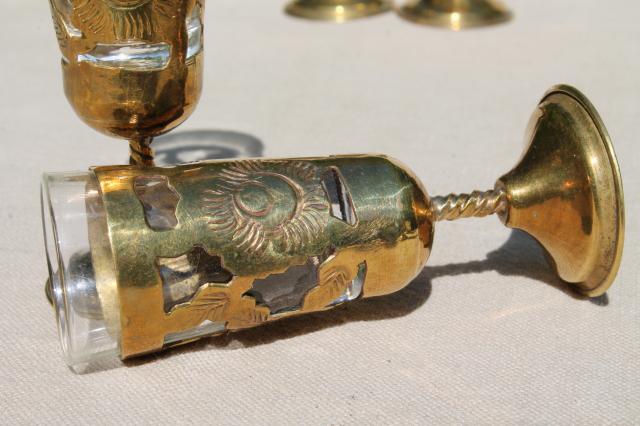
(476, 204)
(337, 10)
(131, 68)
(567, 191)
(455, 14)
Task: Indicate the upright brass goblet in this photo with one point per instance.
(132, 68)
(337, 10)
(455, 14)
(146, 258)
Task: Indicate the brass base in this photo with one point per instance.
(455, 14)
(336, 10)
(567, 191)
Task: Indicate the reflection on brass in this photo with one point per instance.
(260, 240)
(455, 14)
(567, 191)
(131, 68)
(337, 10)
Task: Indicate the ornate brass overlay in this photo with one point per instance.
(261, 221)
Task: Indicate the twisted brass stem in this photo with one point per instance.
(140, 152)
(476, 204)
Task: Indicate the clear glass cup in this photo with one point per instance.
(72, 210)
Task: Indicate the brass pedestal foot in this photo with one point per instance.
(455, 14)
(336, 10)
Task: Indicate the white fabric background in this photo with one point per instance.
(486, 335)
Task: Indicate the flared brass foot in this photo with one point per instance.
(566, 192)
(455, 14)
(336, 10)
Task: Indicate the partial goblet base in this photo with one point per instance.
(455, 14)
(337, 11)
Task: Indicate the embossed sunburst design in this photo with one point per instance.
(125, 19)
(254, 203)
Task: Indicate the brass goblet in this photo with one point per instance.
(131, 68)
(337, 10)
(455, 14)
(145, 258)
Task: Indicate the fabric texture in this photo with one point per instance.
(485, 335)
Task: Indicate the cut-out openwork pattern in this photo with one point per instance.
(184, 275)
(159, 200)
(339, 196)
(286, 291)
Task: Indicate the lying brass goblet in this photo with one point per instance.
(132, 68)
(455, 14)
(337, 10)
(145, 258)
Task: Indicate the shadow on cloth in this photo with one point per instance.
(520, 255)
(199, 145)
